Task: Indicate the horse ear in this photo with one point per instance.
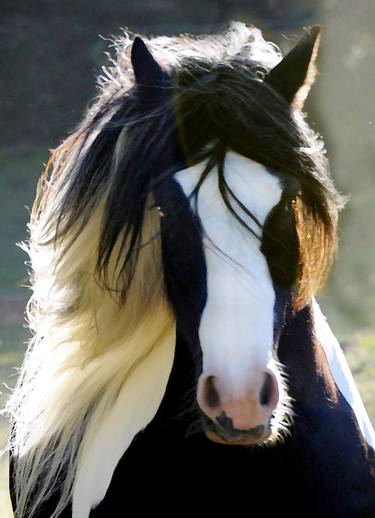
(295, 73)
(148, 73)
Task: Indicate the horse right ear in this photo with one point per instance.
(147, 71)
(294, 75)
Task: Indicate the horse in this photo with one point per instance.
(180, 362)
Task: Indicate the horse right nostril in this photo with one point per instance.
(211, 394)
(266, 391)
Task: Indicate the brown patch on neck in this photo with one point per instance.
(317, 241)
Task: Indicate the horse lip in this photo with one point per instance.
(250, 437)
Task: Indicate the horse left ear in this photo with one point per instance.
(295, 73)
(147, 71)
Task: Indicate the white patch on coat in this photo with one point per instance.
(236, 329)
(341, 373)
(134, 408)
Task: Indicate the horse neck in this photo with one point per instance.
(325, 427)
(310, 379)
(317, 402)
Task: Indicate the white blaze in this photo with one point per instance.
(236, 329)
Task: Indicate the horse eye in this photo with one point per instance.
(161, 212)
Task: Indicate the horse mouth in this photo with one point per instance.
(252, 437)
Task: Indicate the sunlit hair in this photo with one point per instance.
(99, 307)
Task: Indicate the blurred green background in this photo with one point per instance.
(51, 54)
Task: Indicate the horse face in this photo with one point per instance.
(223, 295)
(220, 275)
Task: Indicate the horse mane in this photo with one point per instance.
(99, 306)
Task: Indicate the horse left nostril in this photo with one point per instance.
(266, 391)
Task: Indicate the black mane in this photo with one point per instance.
(212, 100)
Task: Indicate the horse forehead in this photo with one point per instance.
(256, 188)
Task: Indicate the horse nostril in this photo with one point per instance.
(265, 393)
(211, 394)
